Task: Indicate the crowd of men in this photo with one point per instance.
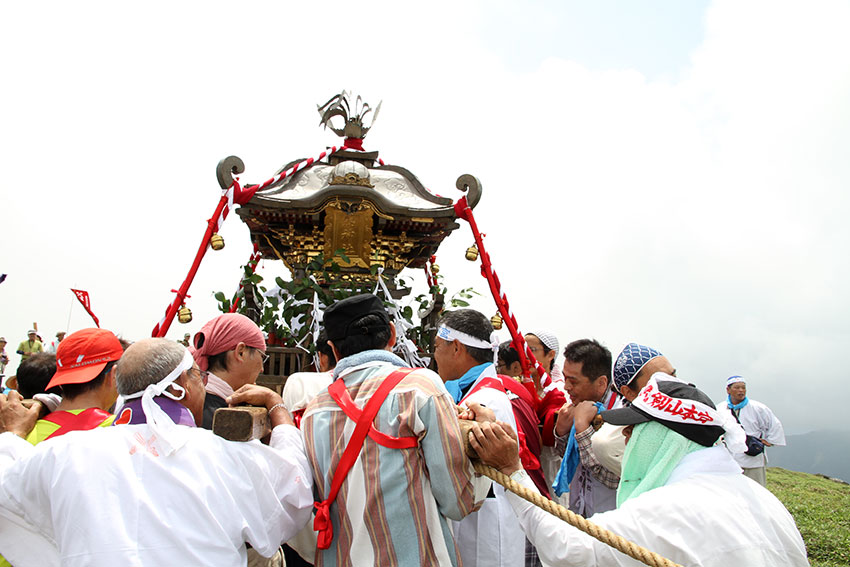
(366, 463)
(27, 348)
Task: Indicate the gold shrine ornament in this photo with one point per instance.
(184, 315)
(496, 321)
(216, 241)
(472, 253)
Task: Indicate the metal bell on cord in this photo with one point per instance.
(216, 241)
(184, 315)
(496, 321)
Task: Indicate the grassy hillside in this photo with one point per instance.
(821, 508)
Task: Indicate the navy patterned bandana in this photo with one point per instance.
(630, 361)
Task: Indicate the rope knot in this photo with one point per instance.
(322, 524)
(461, 207)
(353, 144)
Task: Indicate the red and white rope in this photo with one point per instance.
(228, 194)
(297, 167)
(240, 196)
(158, 326)
(526, 357)
(429, 274)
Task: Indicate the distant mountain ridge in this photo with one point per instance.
(818, 452)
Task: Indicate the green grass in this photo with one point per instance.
(821, 508)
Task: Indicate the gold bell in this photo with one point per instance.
(496, 321)
(216, 241)
(435, 269)
(472, 253)
(184, 315)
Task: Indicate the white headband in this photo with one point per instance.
(667, 408)
(690, 412)
(449, 334)
(734, 380)
(169, 433)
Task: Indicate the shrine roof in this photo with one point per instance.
(392, 188)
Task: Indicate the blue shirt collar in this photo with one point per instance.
(457, 388)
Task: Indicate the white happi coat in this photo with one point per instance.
(491, 536)
(103, 498)
(708, 514)
(757, 419)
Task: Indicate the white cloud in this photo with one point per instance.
(704, 216)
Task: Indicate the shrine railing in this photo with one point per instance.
(282, 362)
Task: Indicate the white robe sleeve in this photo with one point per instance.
(774, 433)
(504, 411)
(237, 492)
(492, 535)
(12, 448)
(557, 543)
(561, 545)
(496, 401)
(283, 491)
(19, 537)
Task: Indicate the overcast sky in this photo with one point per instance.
(672, 173)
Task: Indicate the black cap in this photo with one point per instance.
(341, 319)
(664, 397)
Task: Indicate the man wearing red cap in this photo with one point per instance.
(85, 370)
(232, 349)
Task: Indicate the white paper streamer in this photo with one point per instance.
(407, 347)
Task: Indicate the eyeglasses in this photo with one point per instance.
(204, 375)
(263, 355)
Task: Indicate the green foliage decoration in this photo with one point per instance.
(287, 317)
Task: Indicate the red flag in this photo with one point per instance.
(83, 296)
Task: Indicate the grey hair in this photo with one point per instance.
(147, 362)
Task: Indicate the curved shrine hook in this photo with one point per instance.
(469, 183)
(226, 169)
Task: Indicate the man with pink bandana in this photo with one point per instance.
(230, 350)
